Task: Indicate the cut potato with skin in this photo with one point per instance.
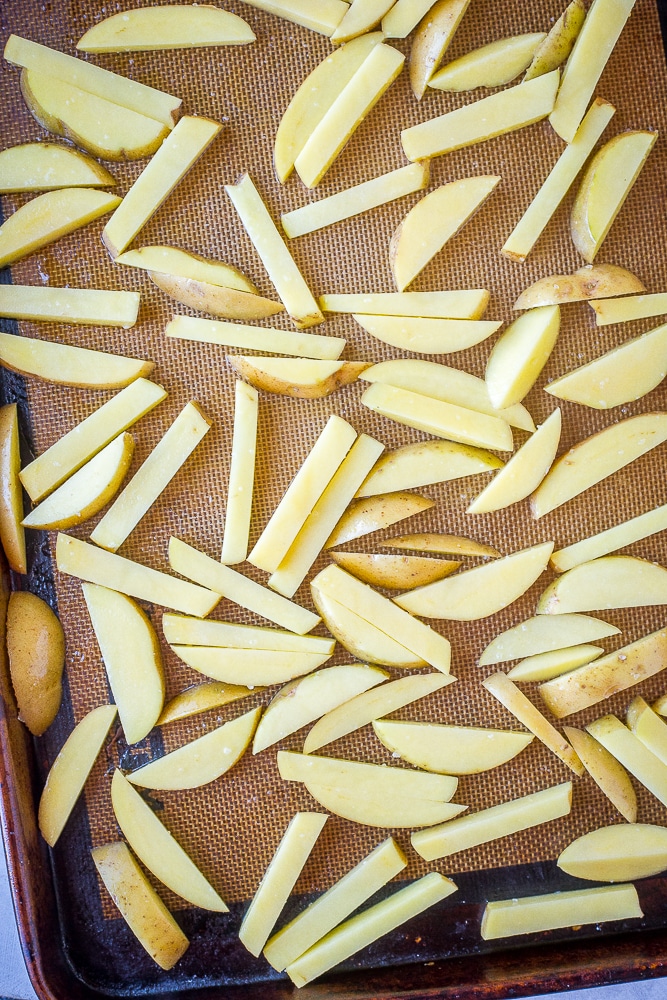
(90, 306)
(36, 651)
(536, 914)
(424, 463)
(432, 222)
(361, 17)
(158, 849)
(595, 42)
(394, 572)
(451, 545)
(594, 281)
(432, 40)
(131, 654)
(177, 154)
(608, 541)
(434, 416)
(323, 16)
(86, 492)
(185, 264)
(356, 200)
(606, 184)
(308, 698)
(168, 27)
(542, 634)
(94, 123)
(365, 780)
(202, 760)
(70, 769)
(525, 470)
(616, 853)
(79, 445)
(520, 354)
(632, 307)
(648, 769)
(314, 98)
(252, 667)
(482, 591)
(544, 666)
(46, 218)
(255, 338)
(67, 365)
(607, 773)
(506, 111)
(515, 701)
(606, 583)
(375, 512)
(327, 911)
(467, 304)
(241, 475)
(205, 632)
(492, 824)
(404, 17)
(492, 65)
(44, 166)
(12, 535)
(606, 676)
(427, 335)
(590, 461)
(216, 300)
(370, 705)
(450, 749)
(558, 44)
(648, 727)
(360, 95)
(139, 904)
(301, 378)
(361, 638)
(202, 698)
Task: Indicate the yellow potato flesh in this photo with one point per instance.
(75, 448)
(131, 654)
(632, 307)
(217, 300)
(616, 853)
(533, 914)
(49, 216)
(139, 904)
(241, 475)
(70, 305)
(597, 457)
(424, 463)
(503, 112)
(323, 17)
(394, 812)
(426, 335)
(450, 749)
(544, 666)
(66, 365)
(252, 667)
(648, 727)
(435, 32)
(36, 651)
(558, 44)
(606, 676)
(482, 591)
(205, 632)
(608, 541)
(593, 281)
(454, 545)
(333, 906)
(361, 16)
(70, 769)
(466, 304)
(492, 824)
(201, 698)
(169, 27)
(607, 773)
(42, 166)
(648, 769)
(202, 760)
(377, 511)
(404, 17)
(152, 478)
(395, 572)
(605, 583)
(492, 65)
(542, 634)
(255, 338)
(520, 354)
(179, 151)
(182, 264)
(12, 535)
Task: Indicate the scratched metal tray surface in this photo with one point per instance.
(75, 944)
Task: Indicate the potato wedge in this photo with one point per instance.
(67, 365)
(12, 535)
(492, 65)
(185, 264)
(425, 462)
(544, 666)
(605, 583)
(70, 305)
(364, 780)
(202, 698)
(255, 338)
(519, 355)
(206, 632)
(648, 726)
(482, 591)
(404, 17)
(426, 335)
(616, 853)
(632, 307)
(216, 300)
(252, 667)
(542, 634)
(450, 749)
(594, 281)
(467, 304)
(608, 541)
(607, 773)
(452, 545)
(390, 811)
(534, 914)
(432, 39)
(643, 765)
(324, 16)
(43, 166)
(46, 218)
(372, 513)
(590, 461)
(394, 572)
(361, 16)
(36, 651)
(146, 29)
(558, 44)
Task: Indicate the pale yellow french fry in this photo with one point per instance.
(92, 306)
(534, 914)
(144, 29)
(152, 478)
(42, 166)
(631, 307)
(255, 338)
(241, 475)
(322, 16)
(12, 535)
(607, 773)
(404, 17)
(467, 304)
(648, 769)
(205, 632)
(519, 355)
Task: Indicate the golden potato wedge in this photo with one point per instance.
(394, 572)
(448, 545)
(36, 650)
(67, 365)
(202, 698)
(594, 281)
(533, 914)
(616, 853)
(432, 40)
(558, 44)
(542, 634)
(372, 513)
(492, 65)
(12, 535)
(43, 166)
(217, 300)
(425, 462)
(643, 765)
(519, 355)
(544, 666)
(428, 335)
(608, 541)
(605, 583)
(607, 773)
(145, 29)
(301, 378)
(450, 749)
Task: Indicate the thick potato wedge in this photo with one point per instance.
(616, 853)
(606, 583)
(608, 541)
(648, 726)
(301, 378)
(394, 572)
(254, 667)
(404, 17)
(492, 65)
(372, 513)
(643, 765)
(12, 535)
(542, 634)
(361, 16)
(432, 39)
(185, 264)
(595, 281)
(607, 773)
(186, 631)
(217, 300)
(202, 698)
(519, 355)
(145, 29)
(323, 17)
(44, 166)
(36, 650)
(544, 666)
(66, 365)
(424, 463)
(558, 44)
(450, 749)
(428, 335)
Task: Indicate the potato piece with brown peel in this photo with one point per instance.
(202, 698)
(36, 650)
(594, 281)
(301, 378)
(185, 264)
(558, 44)
(394, 572)
(372, 513)
(424, 463)
(12, 535)
(492, 65)
(146, 29)
(432, 40)
(217, 300)
(607, 773)
(44, 166)
(449, 545)
(616, 853)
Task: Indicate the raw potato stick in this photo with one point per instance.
(256, 338)
(241, 475)
(533, 914)
(322, 16)
(610, 540)
(93, 306)
(467, 304)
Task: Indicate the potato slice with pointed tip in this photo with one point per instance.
(158, 849)
(70, 769)
(525, 470)
(452, 545)
(450, 749)
(616, 853)
(544, 666)
(89, 306)
(36, 651)
(631, 307)
(252, 667)
(558, 44)
(542, 634)
(46, 218)
(427, 335)
(648, 769)
(202, 760)
(520, 354)
(492, 65)
(86, 492)
(432, 222)
(394, 572)
(365, 780)
(606, 583)
(12, 535)
(608, 541)
(533, 914)
(404, 17)
(301, 378)
(607, 773)
(146, 29)
(594, 281)
(470, 303)
(590, 461)
(482, 591)
(131, 654)
(43, 166)
(217, 300)
(361, 16)
(432, 40)
(66, 365)
(425, 462)
(375, 512)
(185, 264)
(386, 811)
(202, 698)
(323, 17)
(185, 631)
(308, 698)
(648, 726)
